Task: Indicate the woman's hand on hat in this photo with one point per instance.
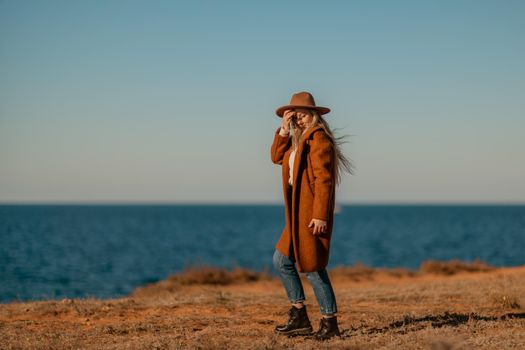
(287, 118)
(318, 225)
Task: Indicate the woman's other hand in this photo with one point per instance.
(287, 118)
(318, 225)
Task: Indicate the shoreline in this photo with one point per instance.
(197, 273)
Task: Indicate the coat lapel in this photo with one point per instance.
(297, 164)
(298, 154)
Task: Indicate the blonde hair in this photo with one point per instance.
(342, 163)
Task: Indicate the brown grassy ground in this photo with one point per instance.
(441, 306)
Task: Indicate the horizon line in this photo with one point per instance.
(235, 203)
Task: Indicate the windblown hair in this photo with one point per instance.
(342, 163)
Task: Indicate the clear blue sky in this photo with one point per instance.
(174, 101)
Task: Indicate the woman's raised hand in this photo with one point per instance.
(287, 118)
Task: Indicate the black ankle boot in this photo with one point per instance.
(298, 323)
(327, 329)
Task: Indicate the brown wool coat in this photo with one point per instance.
(311, 196)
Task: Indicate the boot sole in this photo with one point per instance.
(294, 332)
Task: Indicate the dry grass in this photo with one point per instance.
(507, 301)
(361, 272)
(203, 275)
(454, 266)
(215, 275)
(209, 308)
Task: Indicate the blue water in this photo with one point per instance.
(57, 251)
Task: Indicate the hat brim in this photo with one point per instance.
(321, 110)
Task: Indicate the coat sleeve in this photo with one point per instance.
(279, 146)
(322, 158)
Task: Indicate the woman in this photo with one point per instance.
(311, 161)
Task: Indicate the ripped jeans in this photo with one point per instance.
(294, 289)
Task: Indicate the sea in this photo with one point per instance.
(105, 251)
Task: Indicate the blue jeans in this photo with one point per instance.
(294, 289)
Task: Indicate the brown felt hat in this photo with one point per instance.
(302, 99)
